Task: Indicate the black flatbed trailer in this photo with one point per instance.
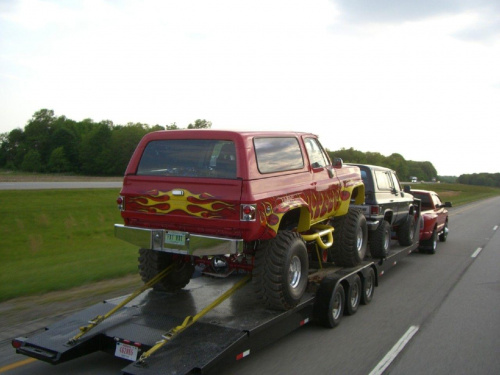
(237, 327)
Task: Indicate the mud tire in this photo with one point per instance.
(350, 239)
(281, 269)
(152, 262)
(380, 240)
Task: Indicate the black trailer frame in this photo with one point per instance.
(234, 329)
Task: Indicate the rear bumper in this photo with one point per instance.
(178, 242)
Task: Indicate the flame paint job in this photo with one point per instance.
(164, 202)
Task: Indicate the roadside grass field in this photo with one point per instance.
(459, 194)
(58, 239)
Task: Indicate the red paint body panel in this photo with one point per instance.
(211, 206)
(434, 214)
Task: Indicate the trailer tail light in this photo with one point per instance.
(248, 212)
(18, 342)
(121, 203)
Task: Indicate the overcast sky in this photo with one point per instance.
(418, 78)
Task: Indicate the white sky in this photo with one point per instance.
(419, 78)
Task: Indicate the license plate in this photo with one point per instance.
(175, 238)
(126, 351)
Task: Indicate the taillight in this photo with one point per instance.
(121, 203)
(248, 212)
(375, 210)
(18, 342)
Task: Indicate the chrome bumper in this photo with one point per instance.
(178, 242)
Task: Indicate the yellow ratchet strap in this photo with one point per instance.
(100, 318)
(190, 320)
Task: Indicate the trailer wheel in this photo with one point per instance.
(329, 303)
(152, 262)
(281, 271)
(350, 238)
(406, 232)
(368, 287)
(444, 233)
(380, 240)
(353, 296)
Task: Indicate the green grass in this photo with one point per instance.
(58, 239)
(459, 194)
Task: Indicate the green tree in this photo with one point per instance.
(200, 124)
(58, 162)
(32, 162)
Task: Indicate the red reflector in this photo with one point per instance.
(119, 200)
(17, 344)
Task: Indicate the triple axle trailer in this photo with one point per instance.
(206, 325)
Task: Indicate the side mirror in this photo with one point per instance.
(447, 204)
(337, 163)
(407, 189)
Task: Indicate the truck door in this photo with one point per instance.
(325, 184)
(401, 202)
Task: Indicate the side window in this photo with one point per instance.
(384, 181)
(395, 181)
(316, 154)
(278, 154)
(436, 200)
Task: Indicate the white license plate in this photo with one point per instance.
(126, 351)
(175, 238)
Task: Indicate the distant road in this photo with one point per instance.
(60, 185)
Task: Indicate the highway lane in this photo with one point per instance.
(451, 300)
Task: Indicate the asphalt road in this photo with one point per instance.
(431, 314)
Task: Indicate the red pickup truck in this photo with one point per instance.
(259, 202)
(435, 219)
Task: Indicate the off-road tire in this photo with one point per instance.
(406, 231)
(380, 240)
(350, 239)
(152, 262)
(281, 270)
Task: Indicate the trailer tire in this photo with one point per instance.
(406, 231)
(152, 262)
(380, 240)
(353, 296)
(329, 303)
(350, 239)
(281, 270)
(368, 287)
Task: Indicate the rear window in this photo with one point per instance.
(189, 158)
(278, 154)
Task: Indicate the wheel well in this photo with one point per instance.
(358, 194)
(388, 215)
(297, 218)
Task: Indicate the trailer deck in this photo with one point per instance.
(232, 330)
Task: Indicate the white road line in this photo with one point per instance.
(476, 253)
(495, 227)
(393, 353)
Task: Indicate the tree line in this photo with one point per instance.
(50, 144)
(405, 169)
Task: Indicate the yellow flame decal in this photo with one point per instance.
(164, 202)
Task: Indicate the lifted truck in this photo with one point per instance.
(207, 324)
(230, 201)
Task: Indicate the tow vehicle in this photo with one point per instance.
(207, 324)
